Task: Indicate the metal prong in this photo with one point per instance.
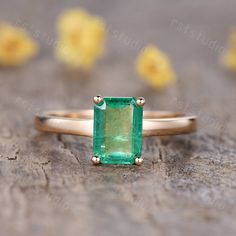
(138, 161)
(97, 99)
(140, 101)
(95, 160)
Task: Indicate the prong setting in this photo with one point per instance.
(97, 99)
(138, 161)
(95, 160)
(140, 101)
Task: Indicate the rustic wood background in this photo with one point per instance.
(187, 185)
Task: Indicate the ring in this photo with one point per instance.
(117, 125)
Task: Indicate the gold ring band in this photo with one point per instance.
(155, 123)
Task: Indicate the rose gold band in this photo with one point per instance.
(155, 123)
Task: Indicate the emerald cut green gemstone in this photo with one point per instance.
(117, 134)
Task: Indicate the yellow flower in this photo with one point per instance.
(154, 67)
(229, 58)
(81, 38)
(16, 47)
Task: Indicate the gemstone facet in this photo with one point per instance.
(117, 135)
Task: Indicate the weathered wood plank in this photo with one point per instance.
(186, 185)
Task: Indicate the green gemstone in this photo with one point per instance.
(117, 135)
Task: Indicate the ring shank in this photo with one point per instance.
(155, 123)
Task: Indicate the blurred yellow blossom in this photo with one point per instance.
(229, 58)
(154, 67)
(16, 47)
(81, 38)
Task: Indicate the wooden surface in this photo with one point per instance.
(186, 186)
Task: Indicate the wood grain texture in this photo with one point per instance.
(187, 184)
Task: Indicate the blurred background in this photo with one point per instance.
(191, 37)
